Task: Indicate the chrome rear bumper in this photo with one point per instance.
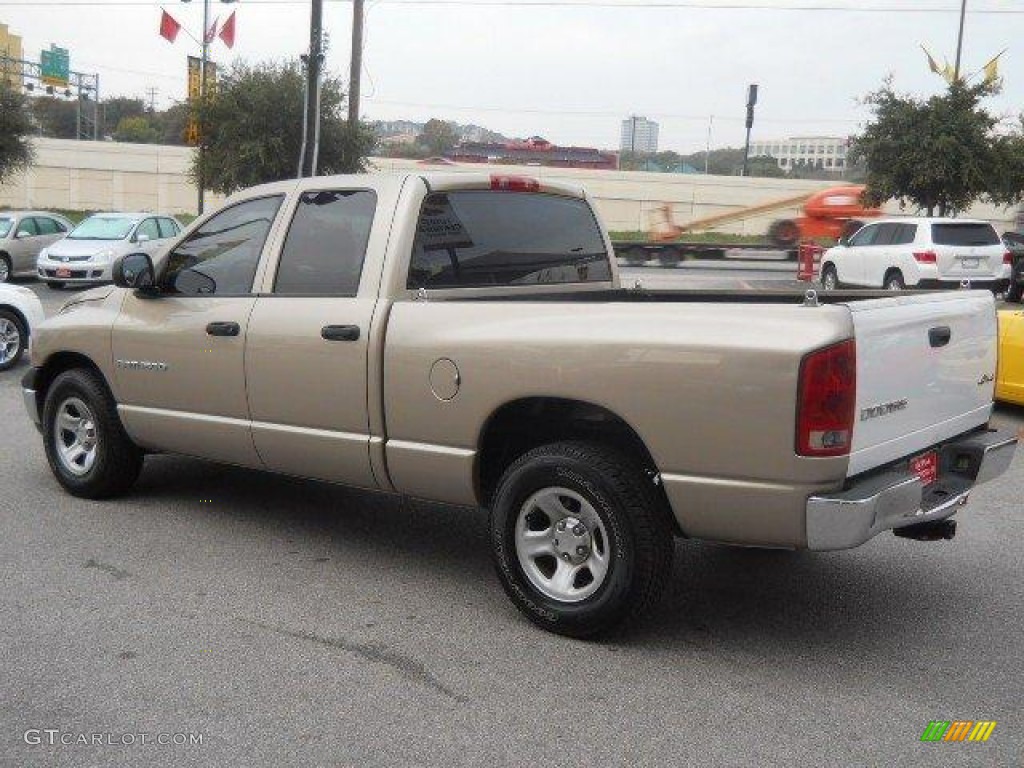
(897, 498)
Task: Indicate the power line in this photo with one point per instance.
(657, 4)
(597, 113)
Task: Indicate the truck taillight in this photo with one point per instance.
(826, 400)
(925, 257)
(515, 183)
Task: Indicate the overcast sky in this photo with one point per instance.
(569, 74)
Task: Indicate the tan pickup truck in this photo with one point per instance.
(465, 339)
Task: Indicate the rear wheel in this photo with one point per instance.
(1016, 287)
(5, 267)
(829, 278)
(13, 338)
(784, 233)
(581, 542)
(636, 256)
(86, 445)
(669, 256)
(894, 281)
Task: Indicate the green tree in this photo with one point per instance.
(252, 128)
(172, 122)
(940, 154)
(56, 118)
(15, 128)
(438, 136)
(116, 109)
(136, 130)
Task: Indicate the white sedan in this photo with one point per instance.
(20, 312)
(90, 249)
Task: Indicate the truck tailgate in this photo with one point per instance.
(926, 366)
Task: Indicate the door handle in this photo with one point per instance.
(340, 332)
(939, 336)
(223, 329)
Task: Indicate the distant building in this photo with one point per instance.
(827, 152)
(533, 151)
(10, 48)
(639, 135)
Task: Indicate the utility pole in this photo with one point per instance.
(356, 66)
(751, 102)
(959, 40)
(151, 92)
(707, 151)
(311, 112)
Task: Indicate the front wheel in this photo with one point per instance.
(581, 541)
(86, 446)
(5, 268)
(829, 278)
(13, 338)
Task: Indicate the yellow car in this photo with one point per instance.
(1010, 380)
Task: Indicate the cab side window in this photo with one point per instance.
(27, 228)
(222, 255)
(865, 236)
(326, 243)
(888, 234)
(167, 228)
(46, 226)
(149, 229)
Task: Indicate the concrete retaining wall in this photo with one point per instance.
(85, 175)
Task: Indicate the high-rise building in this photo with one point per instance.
(639, 135)
(827, 152)
(10, 48)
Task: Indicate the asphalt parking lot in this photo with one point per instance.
(294, 623)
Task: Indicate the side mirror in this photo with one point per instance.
(141, 238)
(135, 270)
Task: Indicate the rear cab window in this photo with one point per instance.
(485, 238)
(966, 233)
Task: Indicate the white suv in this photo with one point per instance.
(919, 253)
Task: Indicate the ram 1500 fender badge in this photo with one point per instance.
(883, 409)
(988, 378)
(141, 365)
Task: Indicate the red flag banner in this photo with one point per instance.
(169, 28)
(211, 32)
(227, 32)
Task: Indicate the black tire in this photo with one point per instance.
(54, 286)
(639, 546)
(117, 460)
(829, 271)
(784, 233)
(5, 268)
(669, 256)
(1015, 289)
(13, 339)
(636, 256)
(894, 281)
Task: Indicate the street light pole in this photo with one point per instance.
(203, 58)
(959, 40)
